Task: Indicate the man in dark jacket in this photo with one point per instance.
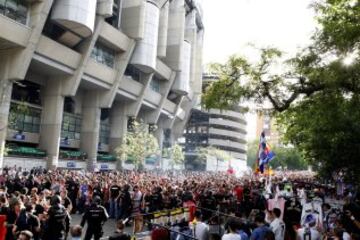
(58, 221)
(95, 216)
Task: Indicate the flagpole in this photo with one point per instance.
(257, 160)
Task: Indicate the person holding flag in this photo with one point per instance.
(265, 155)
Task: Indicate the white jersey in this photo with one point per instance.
(346, 236)
(314, 208)
(200, 230)
(231, 236)
(278, 228)
(302, 196)
(308, 234)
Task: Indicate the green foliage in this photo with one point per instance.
(138, 144)
(220, 155)
(326, 128)
(340, 21)
(16, 110)
(238, 80)
(203, 153)
(315, 95)
(252, 153)
(286, 157)
(289, 158)
(177, 154)
(5, 95)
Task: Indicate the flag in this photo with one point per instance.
(265, 155)
(230, 171)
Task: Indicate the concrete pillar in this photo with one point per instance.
(191, 37)
(90, 127)
(118, 126)
(133, 18)
(197, 86)
(5, 98)
(175, 35)
(51, 119)
(159, 135)
(163, 28)
(132, 109)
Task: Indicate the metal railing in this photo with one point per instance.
(218, 215)
(166, 219)
(148, 219)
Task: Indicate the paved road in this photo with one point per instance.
(109, 226)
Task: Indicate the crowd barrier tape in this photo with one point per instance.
(161, 219)
(166, 217)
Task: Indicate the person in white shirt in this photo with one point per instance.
(232, 227)
(309, 232)
(313, 206)
(200, 229)
(277, 225)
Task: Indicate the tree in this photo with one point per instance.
(313, 94)
(286, 157)
(15, 111)
(252, 153)
(326, 129)
(302, 76)
(340, 21)
(220, 155)
(177, 155)
(4, 97)
(214, 152)
(138, 144)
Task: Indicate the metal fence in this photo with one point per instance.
(144, 223)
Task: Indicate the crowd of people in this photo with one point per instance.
(38, 204)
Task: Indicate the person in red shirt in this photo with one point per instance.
(190, 203)
(2, 227)
(238, 190)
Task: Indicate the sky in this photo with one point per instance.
(231, 25)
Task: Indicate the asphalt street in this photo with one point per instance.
(109, 226)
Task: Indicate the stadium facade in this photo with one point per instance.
(74, 74)
(221, 129)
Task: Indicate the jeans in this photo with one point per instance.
(81, 204)
(113, 209)
(119, 213)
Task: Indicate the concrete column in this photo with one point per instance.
(51, 119)
(197, 86)
(133, 18)
(175, 35)
(163, 28)
(90, 127)
(5, 98)
(21, 60)
(132, 109)
(191, 37)
(159, 135)
(118, 126)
